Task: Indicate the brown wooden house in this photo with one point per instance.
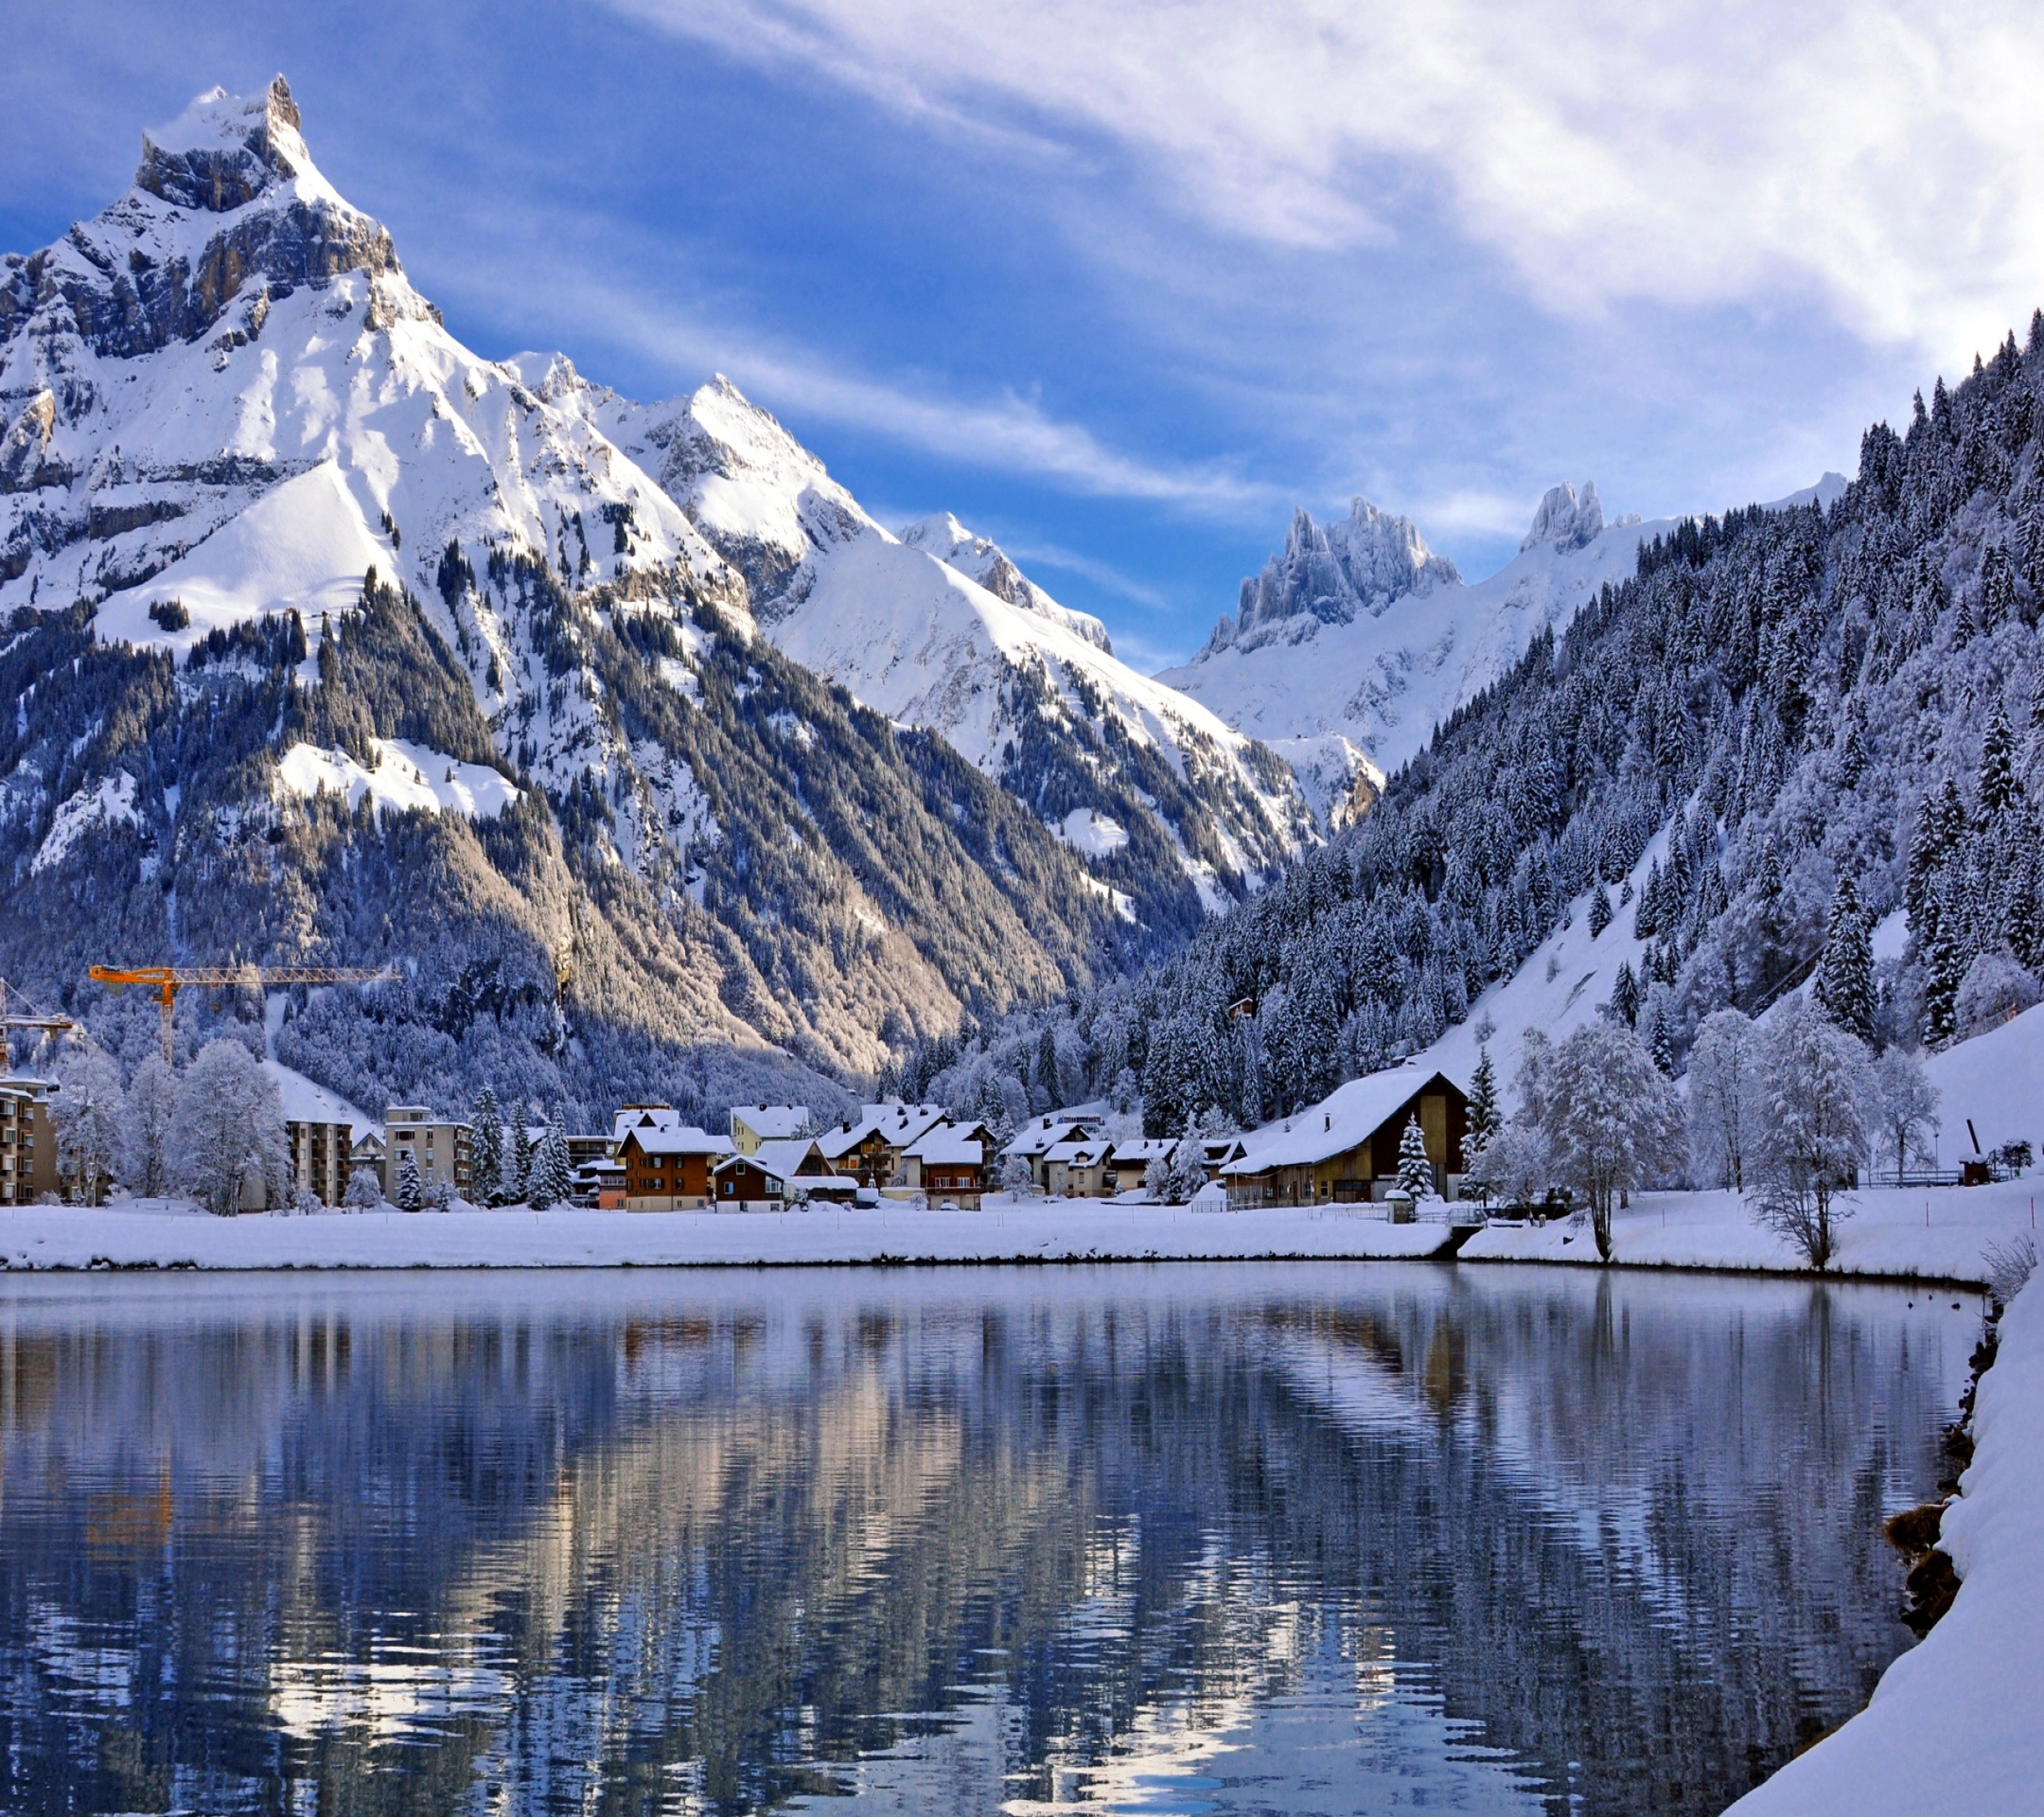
(1346, 1148)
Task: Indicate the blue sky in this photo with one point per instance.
(1118, 285)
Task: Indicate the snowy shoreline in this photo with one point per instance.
(1938, 1237)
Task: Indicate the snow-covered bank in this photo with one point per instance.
(1937, 1234)
(152, 1233)
(1952, 1725)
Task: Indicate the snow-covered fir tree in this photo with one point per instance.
(486, 1147)
(409, 1196)
(551, 1178)
(518, 1172)
(1843, 987)
(1414, 1172)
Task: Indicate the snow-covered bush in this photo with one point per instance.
(364, 1191)
(2010, 1265)
(146, 1131)
(1816, 1083)
(1172, 1178)
(1996, 987)
(230, 1129)
(86, 1115)
(1514, 1166)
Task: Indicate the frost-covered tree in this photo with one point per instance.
(410, 1194)
(1625, 997)
(87, 1113)
(146, 1133)
(1902, 1108)
(1815, 1086)
(1414, 1172)
(230, 1129)
(1725, 1097)
(517, 1174)
(1844, 982)
(1485, 1119)
(364, 1191)
(1612, 1121)
(1996, 987)
(551, 1178)
(1174, 1179)
(1514, 1166)
(486, 1147)
(1600, 910)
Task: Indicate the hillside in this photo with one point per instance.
(540, 755)
(1774, 701)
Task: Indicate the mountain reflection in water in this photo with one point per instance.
(1264, 1539)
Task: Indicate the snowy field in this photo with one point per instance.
(1953, 1723)
(1938, 1234)
(158, 1233)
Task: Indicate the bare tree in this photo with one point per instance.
(1902, 1107)
(1816, 1081)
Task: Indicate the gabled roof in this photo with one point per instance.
(643, 1116)
(1142, 1152)
(897, 1125)
(677, 1138)
(1081, 1153)
(787, 1158)
(1346, 1119)
(772, 1122)
(1042, 1134)
(950, 1145)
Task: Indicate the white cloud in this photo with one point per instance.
(1882, 156)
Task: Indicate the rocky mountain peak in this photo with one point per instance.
(980, 558)
(225, 149)
(1565, 519)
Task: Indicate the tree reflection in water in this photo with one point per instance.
(1121, 1539)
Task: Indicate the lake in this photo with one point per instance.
(1258, 1538)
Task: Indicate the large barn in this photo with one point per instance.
(1345, 1149)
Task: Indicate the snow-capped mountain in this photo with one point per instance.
(939, 629)
(1361, 632)
(221, 405)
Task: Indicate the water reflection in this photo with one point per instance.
(1172, 1540)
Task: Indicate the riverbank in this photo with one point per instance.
(1952, 1725)
(1939, 1234)
(163, 1234)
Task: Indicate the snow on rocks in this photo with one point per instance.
(405, 776)
(1952, 1724)
(99, 804)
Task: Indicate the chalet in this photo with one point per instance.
(1128, 1167)
(1035, 1140)
(774, 1175)
(752, 1124)
(1346, 1148)
(667, 1166)
(1216, 1152)
(599, 1183)
(870, 1148)
(1077, 1169)
(949, 1161)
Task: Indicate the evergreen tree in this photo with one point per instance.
(1997, 784)
(1844, 985)
(552, 1178)
(1654, 1033)
(1625, 997)
(1047, 1070)
(411, 1194)
(486, 1156)
(1485, 1115)
(1600, 912)
(1414, 1172)
(518, 1179)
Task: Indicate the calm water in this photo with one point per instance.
(1315, 1540)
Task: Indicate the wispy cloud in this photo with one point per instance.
(1104, 575)
(1881, 156)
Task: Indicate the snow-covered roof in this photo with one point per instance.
(643, 1116)
(950, 1145)
(1040, 1133)
(677, 1138)
(1081, 1153)
(1142, 1152)
(772, 1122)
(895, 1124)
(783, 1160)
(1347, 1118)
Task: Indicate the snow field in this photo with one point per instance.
(1954, 1726)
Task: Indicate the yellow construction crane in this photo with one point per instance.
(167, 979)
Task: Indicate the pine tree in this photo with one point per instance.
(1844, 987)
(552, 1178)
(486, 1148)
(1654, 1034)
(1997, 588)
(1484, 1116)
(1414, 1172)
(1601, 913)
(1997, 784)
(411, 1194)
(1625, 994)
(518, 1182)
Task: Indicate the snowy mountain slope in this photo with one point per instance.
(940, 630)
(625, 844)
(1361, 632)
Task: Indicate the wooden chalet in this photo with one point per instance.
(774, 1175)
(1345, 1149)
(871, 1149)
(667, 1165)
(948, 1162)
